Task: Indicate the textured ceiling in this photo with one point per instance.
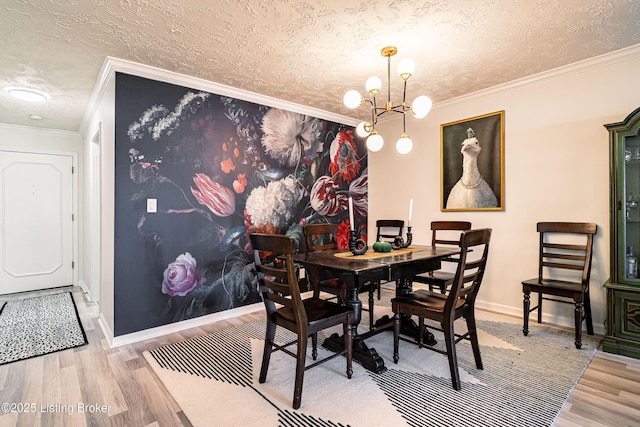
(304, 51)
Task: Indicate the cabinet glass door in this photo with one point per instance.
(630, 211)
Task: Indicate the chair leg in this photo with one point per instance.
(420, 332)
(378, 285)
(348, 346)
(473, 337)
(396, 337)
(526, 304)
(314, 346)
(578, 316)
(449, 338)
(268, 348)
(539, 307)
(371, 293)
(302, 355)
(587, 312)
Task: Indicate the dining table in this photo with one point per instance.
(398, 265)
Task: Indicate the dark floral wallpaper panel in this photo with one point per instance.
(218, 169)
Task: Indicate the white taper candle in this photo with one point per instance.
(410, 211)
(351, 223)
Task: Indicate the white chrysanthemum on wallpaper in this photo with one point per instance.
(157, 119)
(274, 204)
(291, 138)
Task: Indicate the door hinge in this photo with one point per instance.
(73, 169)
(73, 265)
(73, 217)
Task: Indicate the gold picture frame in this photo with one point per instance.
(472, 178)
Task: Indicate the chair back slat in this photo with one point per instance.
(564, 246)
(438, 227)
(389, 229)
(321, 237)
(277, 273)
(563, 266)
(470, 272)
(555, 254)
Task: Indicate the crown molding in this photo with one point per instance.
(38, 130)
(112, 65)
(622, 55)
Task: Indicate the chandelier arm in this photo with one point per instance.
(389, 80)
(404, 97)
(374, 118)
(404, 124)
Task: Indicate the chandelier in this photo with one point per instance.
(419, 108)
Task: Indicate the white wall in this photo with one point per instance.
(556, 168)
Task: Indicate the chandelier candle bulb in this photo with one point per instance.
(351, 225)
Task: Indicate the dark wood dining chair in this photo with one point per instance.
(445, 309)
(321, 237)
(564, 271)
(387, 230)
(279, 285)
(440, 236)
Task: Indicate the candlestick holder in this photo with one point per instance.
(357, 246)
(399, 243)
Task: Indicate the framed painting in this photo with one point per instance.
(472, 164)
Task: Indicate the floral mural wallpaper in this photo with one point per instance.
(218, 169)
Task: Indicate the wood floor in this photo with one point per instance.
(95, 385)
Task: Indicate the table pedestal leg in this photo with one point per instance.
(367, 357)
(408, 326)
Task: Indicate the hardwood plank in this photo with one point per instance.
(71, 395)
(620, 381)
(52, 390)
(32, 391)
(133, 395)
(617, 413)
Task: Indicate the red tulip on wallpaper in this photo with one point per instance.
(218, 198)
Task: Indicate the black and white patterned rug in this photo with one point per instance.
(39, 325)
(525, 381)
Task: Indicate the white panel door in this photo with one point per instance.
(36, 221)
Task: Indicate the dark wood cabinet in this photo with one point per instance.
(623, 288)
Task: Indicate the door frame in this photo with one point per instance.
(74, 197)
(94, 217)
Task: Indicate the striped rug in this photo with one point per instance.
(525, 381)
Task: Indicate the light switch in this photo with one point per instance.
(152, 205)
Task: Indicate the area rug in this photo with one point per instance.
(525, 381)
(39, 325)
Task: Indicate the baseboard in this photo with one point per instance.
(85, 289)
(174, 327)
(106, 331)
(546, 318)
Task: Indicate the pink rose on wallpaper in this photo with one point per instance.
(218, 198)
(181, 276)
